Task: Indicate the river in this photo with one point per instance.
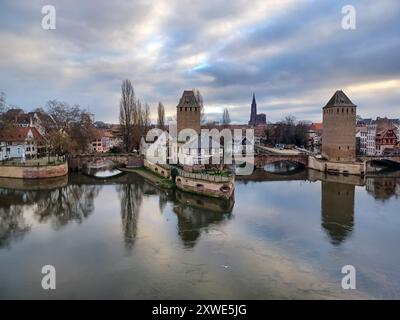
(283, 237)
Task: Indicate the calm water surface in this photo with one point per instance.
(121, 238)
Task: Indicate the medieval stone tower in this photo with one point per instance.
(339, 129)
(188, 112)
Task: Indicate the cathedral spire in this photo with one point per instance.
(256, 119)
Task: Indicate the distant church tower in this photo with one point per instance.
(188, 112)
(339, 129)
(256, 119)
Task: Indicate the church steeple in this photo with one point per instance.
(253, 112)
(256, 119)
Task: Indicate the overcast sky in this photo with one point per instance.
(293, 53)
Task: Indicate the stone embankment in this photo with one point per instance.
(215, 186)
(33, 171)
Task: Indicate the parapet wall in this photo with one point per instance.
(204, 187)
(161, 170)
(34, 172)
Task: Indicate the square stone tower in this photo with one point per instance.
(188, 112)
(339, 129)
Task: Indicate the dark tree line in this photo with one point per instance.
(287, 131)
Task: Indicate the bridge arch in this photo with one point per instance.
(261, 160)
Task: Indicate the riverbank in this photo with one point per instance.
(151, 177)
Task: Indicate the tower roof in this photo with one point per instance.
(188, 99)
(339, 99)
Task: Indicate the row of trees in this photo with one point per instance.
(134, 117)
(287, 131)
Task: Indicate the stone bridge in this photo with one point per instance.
(79, 162)
(380, 158)
(372, 162)
(261, 160)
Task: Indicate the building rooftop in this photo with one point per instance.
(188, 99)
(316, 126)
(19, 134)
(339, 99)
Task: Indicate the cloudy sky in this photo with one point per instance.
(293, 53)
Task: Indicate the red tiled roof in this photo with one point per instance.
(19, 134)
(316, 126)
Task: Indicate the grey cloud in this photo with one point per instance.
(298, 53)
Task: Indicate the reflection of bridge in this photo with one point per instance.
(262, 175)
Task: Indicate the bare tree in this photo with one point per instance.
(161, 116)
(127, 114)
(200, 101)
(226, 119)
(146, 117)
(68, 128)
(3, 104)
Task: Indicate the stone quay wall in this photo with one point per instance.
(162, 170)
(34, 172)
(202, 184)
(336, 167)
(205, 187)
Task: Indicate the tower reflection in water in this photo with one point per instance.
(337, 206)
(197, 214)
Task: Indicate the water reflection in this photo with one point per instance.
(282, 167)
(337, 207)
(63, 205)
(197, 214)
(73, 200)
(130, 196)
(383, 188)
(57, 207)
(13, 225)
